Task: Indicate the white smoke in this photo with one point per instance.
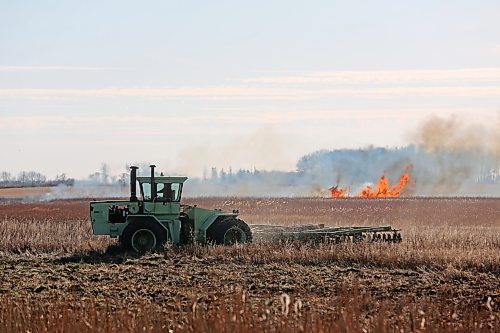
(449, 157)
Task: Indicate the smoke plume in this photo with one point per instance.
(456, 135)
(448, 157)
(457, 156)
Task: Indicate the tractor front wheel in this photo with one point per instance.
(143, 236)
(229, 231)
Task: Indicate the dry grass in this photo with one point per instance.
(21, 192)
(458, 233)
(443, 277)
(238, 314)
(48, 236)
(468, 248)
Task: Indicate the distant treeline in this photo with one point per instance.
(433, 172)
(32, 179)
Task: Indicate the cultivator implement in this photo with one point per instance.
(320, 233)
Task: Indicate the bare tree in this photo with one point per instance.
(31, 177)
(22, 177)
(61, 178)
(104, 173)
(123, 179)
(6, 176)
(34, 178)
(95, 177)
(40, 178)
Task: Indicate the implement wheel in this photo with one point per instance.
(143, 236)
(229, 231)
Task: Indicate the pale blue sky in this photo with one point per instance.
(192, 84)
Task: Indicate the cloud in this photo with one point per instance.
(53, 68)
(375, 84)
(124, 121)
(234, 116)
(253, 93)
(464, 75)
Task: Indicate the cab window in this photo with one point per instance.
(168, 191)
(164, 191)
(176, 191)
(146, 191)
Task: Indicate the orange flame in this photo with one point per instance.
(383, 189)
(338, 192)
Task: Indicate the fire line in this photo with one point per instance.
(383, 188)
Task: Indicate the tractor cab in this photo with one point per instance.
(165, 189)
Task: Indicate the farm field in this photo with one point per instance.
(21, 192)
(444, 276)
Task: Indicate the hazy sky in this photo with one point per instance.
(194, 84)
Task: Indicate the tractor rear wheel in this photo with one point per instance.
(143, 236)
(229, 231)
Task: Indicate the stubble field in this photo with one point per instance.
(445, 275)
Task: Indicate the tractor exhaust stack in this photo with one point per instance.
(133, 183)
(153, 185)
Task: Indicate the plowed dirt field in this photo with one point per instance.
(445, 275)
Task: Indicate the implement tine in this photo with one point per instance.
(316, 232)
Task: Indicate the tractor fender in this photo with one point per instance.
(172, 227)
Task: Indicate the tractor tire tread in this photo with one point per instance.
(160, 234)
(215, 233)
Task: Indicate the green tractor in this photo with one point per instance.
(147, 222)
